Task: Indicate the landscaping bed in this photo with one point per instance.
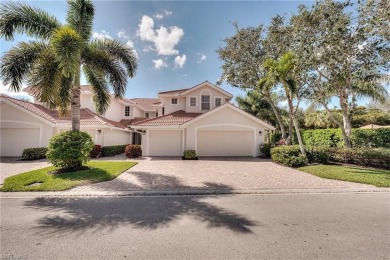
(46, 179)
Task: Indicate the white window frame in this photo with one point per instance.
(215, 101)
(195, 102)
(129, 111)
(201, 102)
(177, 101)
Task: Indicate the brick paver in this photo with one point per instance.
(173, 174)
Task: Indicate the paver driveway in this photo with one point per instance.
(230, 174)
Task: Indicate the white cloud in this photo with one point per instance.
(168, 13)
(122, 34)
(202, 58)
(179, 61)
(130, 44)
(164, 39)
(102, 35)
(158, 16)
(159, 63)
(4, 89)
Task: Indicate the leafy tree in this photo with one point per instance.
(243, 56)
(343, 56)
(53, 61)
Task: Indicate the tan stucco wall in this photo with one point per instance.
(12, 117)
(169, 108)
(115, 111)
(86, 101)
(203, 91)
(115, 137)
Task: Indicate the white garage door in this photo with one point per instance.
(15, 140)
(225, 143)
(165, 143)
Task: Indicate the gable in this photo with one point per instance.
(207, 86)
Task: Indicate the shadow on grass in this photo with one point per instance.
(95, 174)
(79, 215)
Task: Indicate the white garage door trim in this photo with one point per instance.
(253, 129)
(176, 151)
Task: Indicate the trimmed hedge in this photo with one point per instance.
(113, 150)
(289, 155)
(370, 157)
(34, 153)
(133, 151)
(189, 154)
(368, 138)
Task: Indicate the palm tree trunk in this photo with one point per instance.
(277, 115)
(75, 102)
(301, 147)
(290, 131)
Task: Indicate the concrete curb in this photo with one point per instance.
(5, 195)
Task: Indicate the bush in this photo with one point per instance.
(133, 151)
(34, 153)
(289, 155)
(96, 151)
(265, 150)
(323, 137)
(113, 150)
(189, 154)
(70, 149)
(317, 154)
(370, 157)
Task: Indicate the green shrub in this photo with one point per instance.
(96, 151)
(133, 151)
(113, 150)
(70, 149)
(371, 138)
(189, 154)
(370, 157)
(265, 150)
(317, 154)
(289, 155)
(323, 137)
(275, 137)
(34, 153)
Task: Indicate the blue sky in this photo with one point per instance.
(176, 41)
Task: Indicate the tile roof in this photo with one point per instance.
(145, 103)
(132, 121)
(177, 91)
(175, 118)
(87, 117)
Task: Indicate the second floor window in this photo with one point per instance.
(174, 101)
(218, 102)
(127, 111)
(147, 115)
(192, 101)
(163, 111)
(205, 102)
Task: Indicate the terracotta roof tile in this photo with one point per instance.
(145, 103)
(175, 118)
(87, 117)
(131, 121)
(177, 91)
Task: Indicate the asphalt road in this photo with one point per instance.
(300, 226)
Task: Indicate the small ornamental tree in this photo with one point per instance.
(69, 150)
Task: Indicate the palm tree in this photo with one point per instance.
(52, 63)
(282, 72)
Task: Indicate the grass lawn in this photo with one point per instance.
(100, 171)
(376, 177)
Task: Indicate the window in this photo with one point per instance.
(192, 101)
(127, 111)
(218, 102)
(163, 111)
(156, 114)
(147, 115)
(205, 102)
(174, 101)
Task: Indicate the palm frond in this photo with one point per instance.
(80, 17)
(101, 94)
(16, 63)
(45, 79)
(67, 45)
(21, 18)
(120, 51)
(64, 95)
(103, 63)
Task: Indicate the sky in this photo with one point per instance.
(176, 41)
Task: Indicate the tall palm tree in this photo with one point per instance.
(52, 63)
(282, 71)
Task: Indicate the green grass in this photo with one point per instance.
(376, 177)
(98, 172)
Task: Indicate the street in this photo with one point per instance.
(287, 226)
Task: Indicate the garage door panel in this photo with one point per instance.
(15, 140)
(225, 143)
(165, 143)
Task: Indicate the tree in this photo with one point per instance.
(344, 57)
(243, 56)
(52, 63)
(284, 72)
